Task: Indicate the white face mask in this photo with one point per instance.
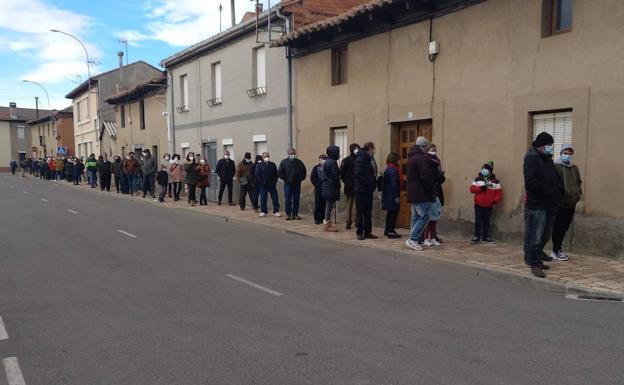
(202, 161)
(191, 158)
(433, 152)
(267, 159)
(355, 151)
(166, 158)
(226, 156)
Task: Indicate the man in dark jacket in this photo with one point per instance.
(316, 177)
(365, 184)
(245, 180)
(226, 169)
(78, 171)
(117, 171)
(105, 171)
(421, 190)
(13, 166)
(292, 171)
(347, 175)
(266, 174)
(255, 192)
(149, 168)
(544, 189)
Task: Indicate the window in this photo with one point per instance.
(259, 67)
(21, 134)
(78, 111)
(261, 147)
(557, 124)
(184, 92)
(556, 17)
(142, 114)
(339, 65)
(122, 112)
(230, 148)
(339, 138)
(123, 152)
(216, 81)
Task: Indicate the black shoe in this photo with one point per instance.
(348, 226)
(544, 267)
(288, 218)
(219, 203)
(546, 258)
(360, 237)
(318, 222)
(297, 218)
(474, 241)
(488, 240)
(242, 209)
(538, 272)
(232, 204)
(393, 235)
(144, 195)
(370, 236)
(439, 239)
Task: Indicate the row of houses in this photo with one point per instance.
(480, 78)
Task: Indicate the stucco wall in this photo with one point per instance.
(5, 145)
(155, 132)
(493, 71)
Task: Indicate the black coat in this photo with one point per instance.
(315, 178)
(330, 176)
(226, 169)
(266, 174)
(117, 169)
(292, 171)
(421, 178)
(347, 174)
(440, 178)
(104, 168)
(365, 178)
(544, 186)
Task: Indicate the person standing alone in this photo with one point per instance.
(292, 171)
(226, 169)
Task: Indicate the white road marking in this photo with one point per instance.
(44, 200)
(255, 285)
(3, 333)
(25, 192)
(127, 233)
(72, 211)
(13, 371)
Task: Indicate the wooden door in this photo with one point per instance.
(408, 132)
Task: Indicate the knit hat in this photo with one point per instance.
(566, 146)
(421, 141)
(489, 165)
(543, 139)
(248, 155)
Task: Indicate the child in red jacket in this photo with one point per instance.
(487, 192)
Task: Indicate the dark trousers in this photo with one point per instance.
(202, 196)
(191, 193)
(291, 199)
(391, 217)
(105, 182)
(538, 226)
(319, 207)
(364, 206)
(264, 197)
(117, 183)
(482, 222)
(177, 188)
(76, 179)
(169, 189)
(222, 185)
(13, 170)
(245, 189)
(561, 225)
(163, 189)
(148, 184)
(255, 195)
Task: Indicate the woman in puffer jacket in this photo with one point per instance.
(330, 188)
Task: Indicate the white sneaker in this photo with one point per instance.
(434, 242)
(428, 243)
(277, 214)
(560, 256)
(413, 245)
(262, 215)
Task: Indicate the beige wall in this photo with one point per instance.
(5, 145)
(493, 71)
(86, 124)
(155, 132)
(46, 130)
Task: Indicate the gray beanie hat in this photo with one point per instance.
(421, 141)
(566, 146)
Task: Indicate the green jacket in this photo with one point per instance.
(91, 164)
(572, 183)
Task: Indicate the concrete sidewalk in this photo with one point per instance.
(585, 273)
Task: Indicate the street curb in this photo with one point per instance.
(540, 283)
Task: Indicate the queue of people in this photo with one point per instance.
(553, 189)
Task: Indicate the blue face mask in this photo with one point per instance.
(566, 158)
(548, 149)
(485, 172)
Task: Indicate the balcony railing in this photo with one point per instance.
(185, 108)
(254, 92)
(214, 102)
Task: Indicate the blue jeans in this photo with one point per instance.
(92, 176)
(130, 179)
(538, 225)
(420, 217)
(264, 198)
(291, 199)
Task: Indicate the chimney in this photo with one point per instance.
(13, 110)
(36, 107)
(233, 14)
(120, 55)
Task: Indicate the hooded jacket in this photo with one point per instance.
(330, 176)
(392, 188)
(572, 184)
(544, 186)
(421, 179)
(492, 194)
(365, 173)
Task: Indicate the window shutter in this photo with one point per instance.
(558, 124)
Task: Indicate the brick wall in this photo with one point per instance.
(310, 11)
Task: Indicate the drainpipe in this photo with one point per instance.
(289, 58)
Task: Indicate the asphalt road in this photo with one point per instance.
(178, 297)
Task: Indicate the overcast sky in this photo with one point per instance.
(154, 29)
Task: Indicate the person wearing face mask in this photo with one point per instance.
(572, 184)
(162, 178)
(347, 175)
(226, 169)
(317, 176)
(544, 189)
(430, 235)
(255, 192)
(117, 172)
(243, 174)
(365, 185)
(166, 160)
(190, 177)
(105, 170)
(329, 176)
(203, 179)
(149, 168)
(130, 168)
(266, 173)
(488, 192)
(292, 171)
(176, 176)
(391, 194)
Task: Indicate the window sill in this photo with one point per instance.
(185, 108)
(214, 102)
(255, 92)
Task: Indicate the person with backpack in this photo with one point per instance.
(329, 176)
(391, 194)
(316, 177)
(488, 192)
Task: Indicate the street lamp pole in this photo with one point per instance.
(49, 107)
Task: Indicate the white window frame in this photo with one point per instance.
(184, 91)
(340, 138)
(21, 129)
(557, 124)
(217, 80)
(259, 66)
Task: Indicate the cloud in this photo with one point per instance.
(133, 37)
(26, 28)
